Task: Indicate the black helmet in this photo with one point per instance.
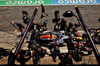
(25, 18)
(63, 20)
(70, 24)
(25, 12)
(56, 13)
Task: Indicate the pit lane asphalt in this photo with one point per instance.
(14, 13)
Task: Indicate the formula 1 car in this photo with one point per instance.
(50, 38)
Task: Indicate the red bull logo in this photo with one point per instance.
(48, 36)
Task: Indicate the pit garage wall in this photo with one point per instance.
(48, 2)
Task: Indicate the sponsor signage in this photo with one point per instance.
(75, 2)
(48, 2)
(24, 2)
